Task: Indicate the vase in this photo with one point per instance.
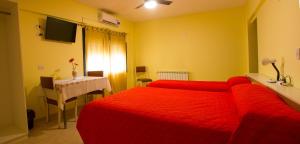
(74, 74)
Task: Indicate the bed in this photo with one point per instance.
(151, 115)
(156, 115)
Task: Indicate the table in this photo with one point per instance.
(70, 88)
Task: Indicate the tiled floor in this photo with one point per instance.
(48, 133)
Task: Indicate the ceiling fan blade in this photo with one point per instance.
(165, 2)
(139, 6)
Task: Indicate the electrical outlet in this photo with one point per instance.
(298, 53)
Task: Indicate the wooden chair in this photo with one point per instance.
(143, 80)
(95, 74)
(48, 85)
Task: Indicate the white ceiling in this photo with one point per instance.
(126, 8)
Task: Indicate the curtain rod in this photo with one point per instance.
(82, 24)
(5, 13)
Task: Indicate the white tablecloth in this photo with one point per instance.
(67, 89)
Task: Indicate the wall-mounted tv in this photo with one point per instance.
(60, 30)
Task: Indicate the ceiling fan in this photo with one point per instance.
(153, 3)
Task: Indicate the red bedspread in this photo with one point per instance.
(265, 118)
(248, 114)
(159, 116)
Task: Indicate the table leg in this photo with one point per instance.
(65, 117)
(76, 110)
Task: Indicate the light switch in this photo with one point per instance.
(40, 67)
(298, 53)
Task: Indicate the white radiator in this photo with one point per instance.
(172, 75)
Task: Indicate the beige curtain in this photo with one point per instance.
(106, 51)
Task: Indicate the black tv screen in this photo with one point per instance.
(60, 30)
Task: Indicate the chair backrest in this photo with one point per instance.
(95, 73)
(47, 82)
(139, 69)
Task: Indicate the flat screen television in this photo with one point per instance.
(60, 30)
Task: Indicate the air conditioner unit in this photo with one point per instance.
(107, 18)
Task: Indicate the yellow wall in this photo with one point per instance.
(4, 87)
(12, 104)
(252, 7)
(16, 73)
(53, 56)
(278, 36)
(211, 46)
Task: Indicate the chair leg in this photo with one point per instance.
(76, 110)
(58, 116)
(47, 113)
